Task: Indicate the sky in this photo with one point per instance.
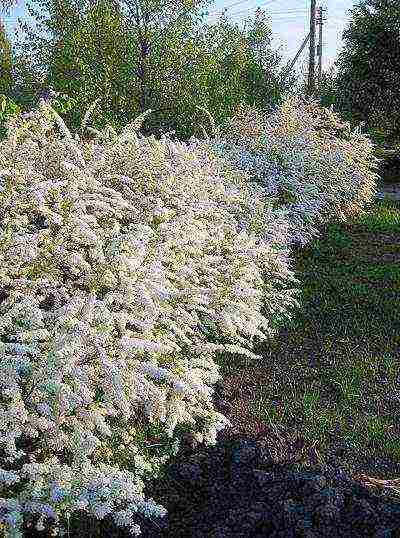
(290, 22)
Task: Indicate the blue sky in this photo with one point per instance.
(289, 21)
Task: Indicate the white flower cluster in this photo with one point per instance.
(294, 154)
(126, 264)
(121, 261)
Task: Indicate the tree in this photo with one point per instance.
(7, 105)
(327, 90)
(369, 64)
(90, 60)
(216, 66)
(35, 51)
(95, 50)
(263, 75)
(102, 48)
(5, 62)
(5, 50)
(152, 21)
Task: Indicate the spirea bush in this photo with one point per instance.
(124, 260)
(306, 158)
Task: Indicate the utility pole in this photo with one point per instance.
(320, 22)
(290, 66)
(311, 62)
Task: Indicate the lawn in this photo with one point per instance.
(331, 376)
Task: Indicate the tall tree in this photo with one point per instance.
(369, 66)
(327, 91)
(89, 61)
(205, 66)
(5, 62)
(152, 21)
(84, 36)
(263, 73)
(5, 48)
(36, 46)
(142, 54)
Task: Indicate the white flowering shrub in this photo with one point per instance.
(305, 158)
(126, 264)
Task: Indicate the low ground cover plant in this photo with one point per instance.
(331, 376)
(127, 264)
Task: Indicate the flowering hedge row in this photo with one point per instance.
(306, 158)
(119, 258)
(126, 264)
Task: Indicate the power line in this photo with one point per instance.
(238, 19)
(232, 5)
(230, 15)
(237, 3)
(268, 13)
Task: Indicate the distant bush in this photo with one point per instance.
(390, 165)
(305, 157)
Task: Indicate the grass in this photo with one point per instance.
(331, 376)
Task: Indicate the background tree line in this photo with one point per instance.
(363, 84)
(141, 54)
(160, 54)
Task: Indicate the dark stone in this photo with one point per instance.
(263, 477)
(244, 453)
(329, 512)
(204, 500)
(384, 533)
(189, 472)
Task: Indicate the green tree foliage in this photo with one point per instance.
(148, 54)
(327, 90)
(154, 21)
(208, 71)
(163, 36)
(5, 62)
(99, 49)
(7, 109)
(8, 106)
(91, 62)
(216, 66)
(369, 66)
(36, 46)
(265, 84)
